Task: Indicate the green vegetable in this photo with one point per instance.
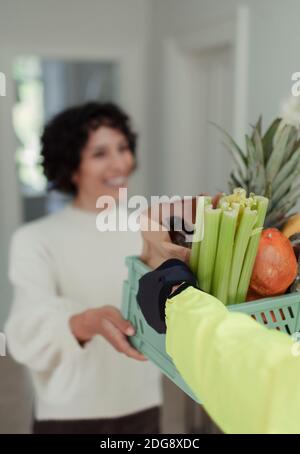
(224, 259)
(198, 234)
(262, 207)
(225, 246)
(208, 247)
(244, 230)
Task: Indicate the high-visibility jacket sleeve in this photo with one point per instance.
(248, 377)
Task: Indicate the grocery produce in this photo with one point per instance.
(252, 295)
(292, 226)
(296, 284)
(275, 267)
(270, 166)
(295, 242)
(206, 260)
(224, 259)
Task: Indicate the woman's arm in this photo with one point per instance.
(106, 321)
(48, 332)
(246, 376)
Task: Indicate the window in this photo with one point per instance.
(28, 120)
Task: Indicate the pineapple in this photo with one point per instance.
(269, 166)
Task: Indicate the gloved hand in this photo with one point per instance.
(156, 286)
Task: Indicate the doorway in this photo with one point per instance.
(205, 81)
(211, 78)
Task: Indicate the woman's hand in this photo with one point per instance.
(157, 244)
(107, 322)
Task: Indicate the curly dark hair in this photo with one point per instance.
(66, 134)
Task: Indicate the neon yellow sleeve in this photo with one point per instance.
(248, 377)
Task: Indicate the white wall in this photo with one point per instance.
(274, 41)
(68, 29)
(98, 27)
(137, 29)
(92, 29)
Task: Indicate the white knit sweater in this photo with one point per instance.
(61, 265)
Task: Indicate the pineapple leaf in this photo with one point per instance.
(258, 146)
(236, 182)
(269, 166)
(268, 191)
(236, 151)
(276, 219)
(297, 145)
(287, 169)
(292, 194)
(257, 177)
(276, 157)
(290, 148)
(284, 188)
(242, 170)
(290, 203)
(268, 138)
(257, 127)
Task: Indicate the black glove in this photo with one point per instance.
(156, 286)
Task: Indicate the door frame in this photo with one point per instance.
(234, 32)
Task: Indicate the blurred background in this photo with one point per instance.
(174, 65)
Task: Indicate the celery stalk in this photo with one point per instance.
(262, 206)
(224, 254)
(194, 256)
(198, 234)
(208, 247)
(246, 223)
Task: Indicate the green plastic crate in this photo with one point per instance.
(281, 313)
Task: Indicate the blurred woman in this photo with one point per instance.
(65, 323)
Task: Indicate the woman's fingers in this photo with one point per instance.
(116, 330)
(119, 341)
(172, 250)
(108, 322)
(123, 325)
(132, 352)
